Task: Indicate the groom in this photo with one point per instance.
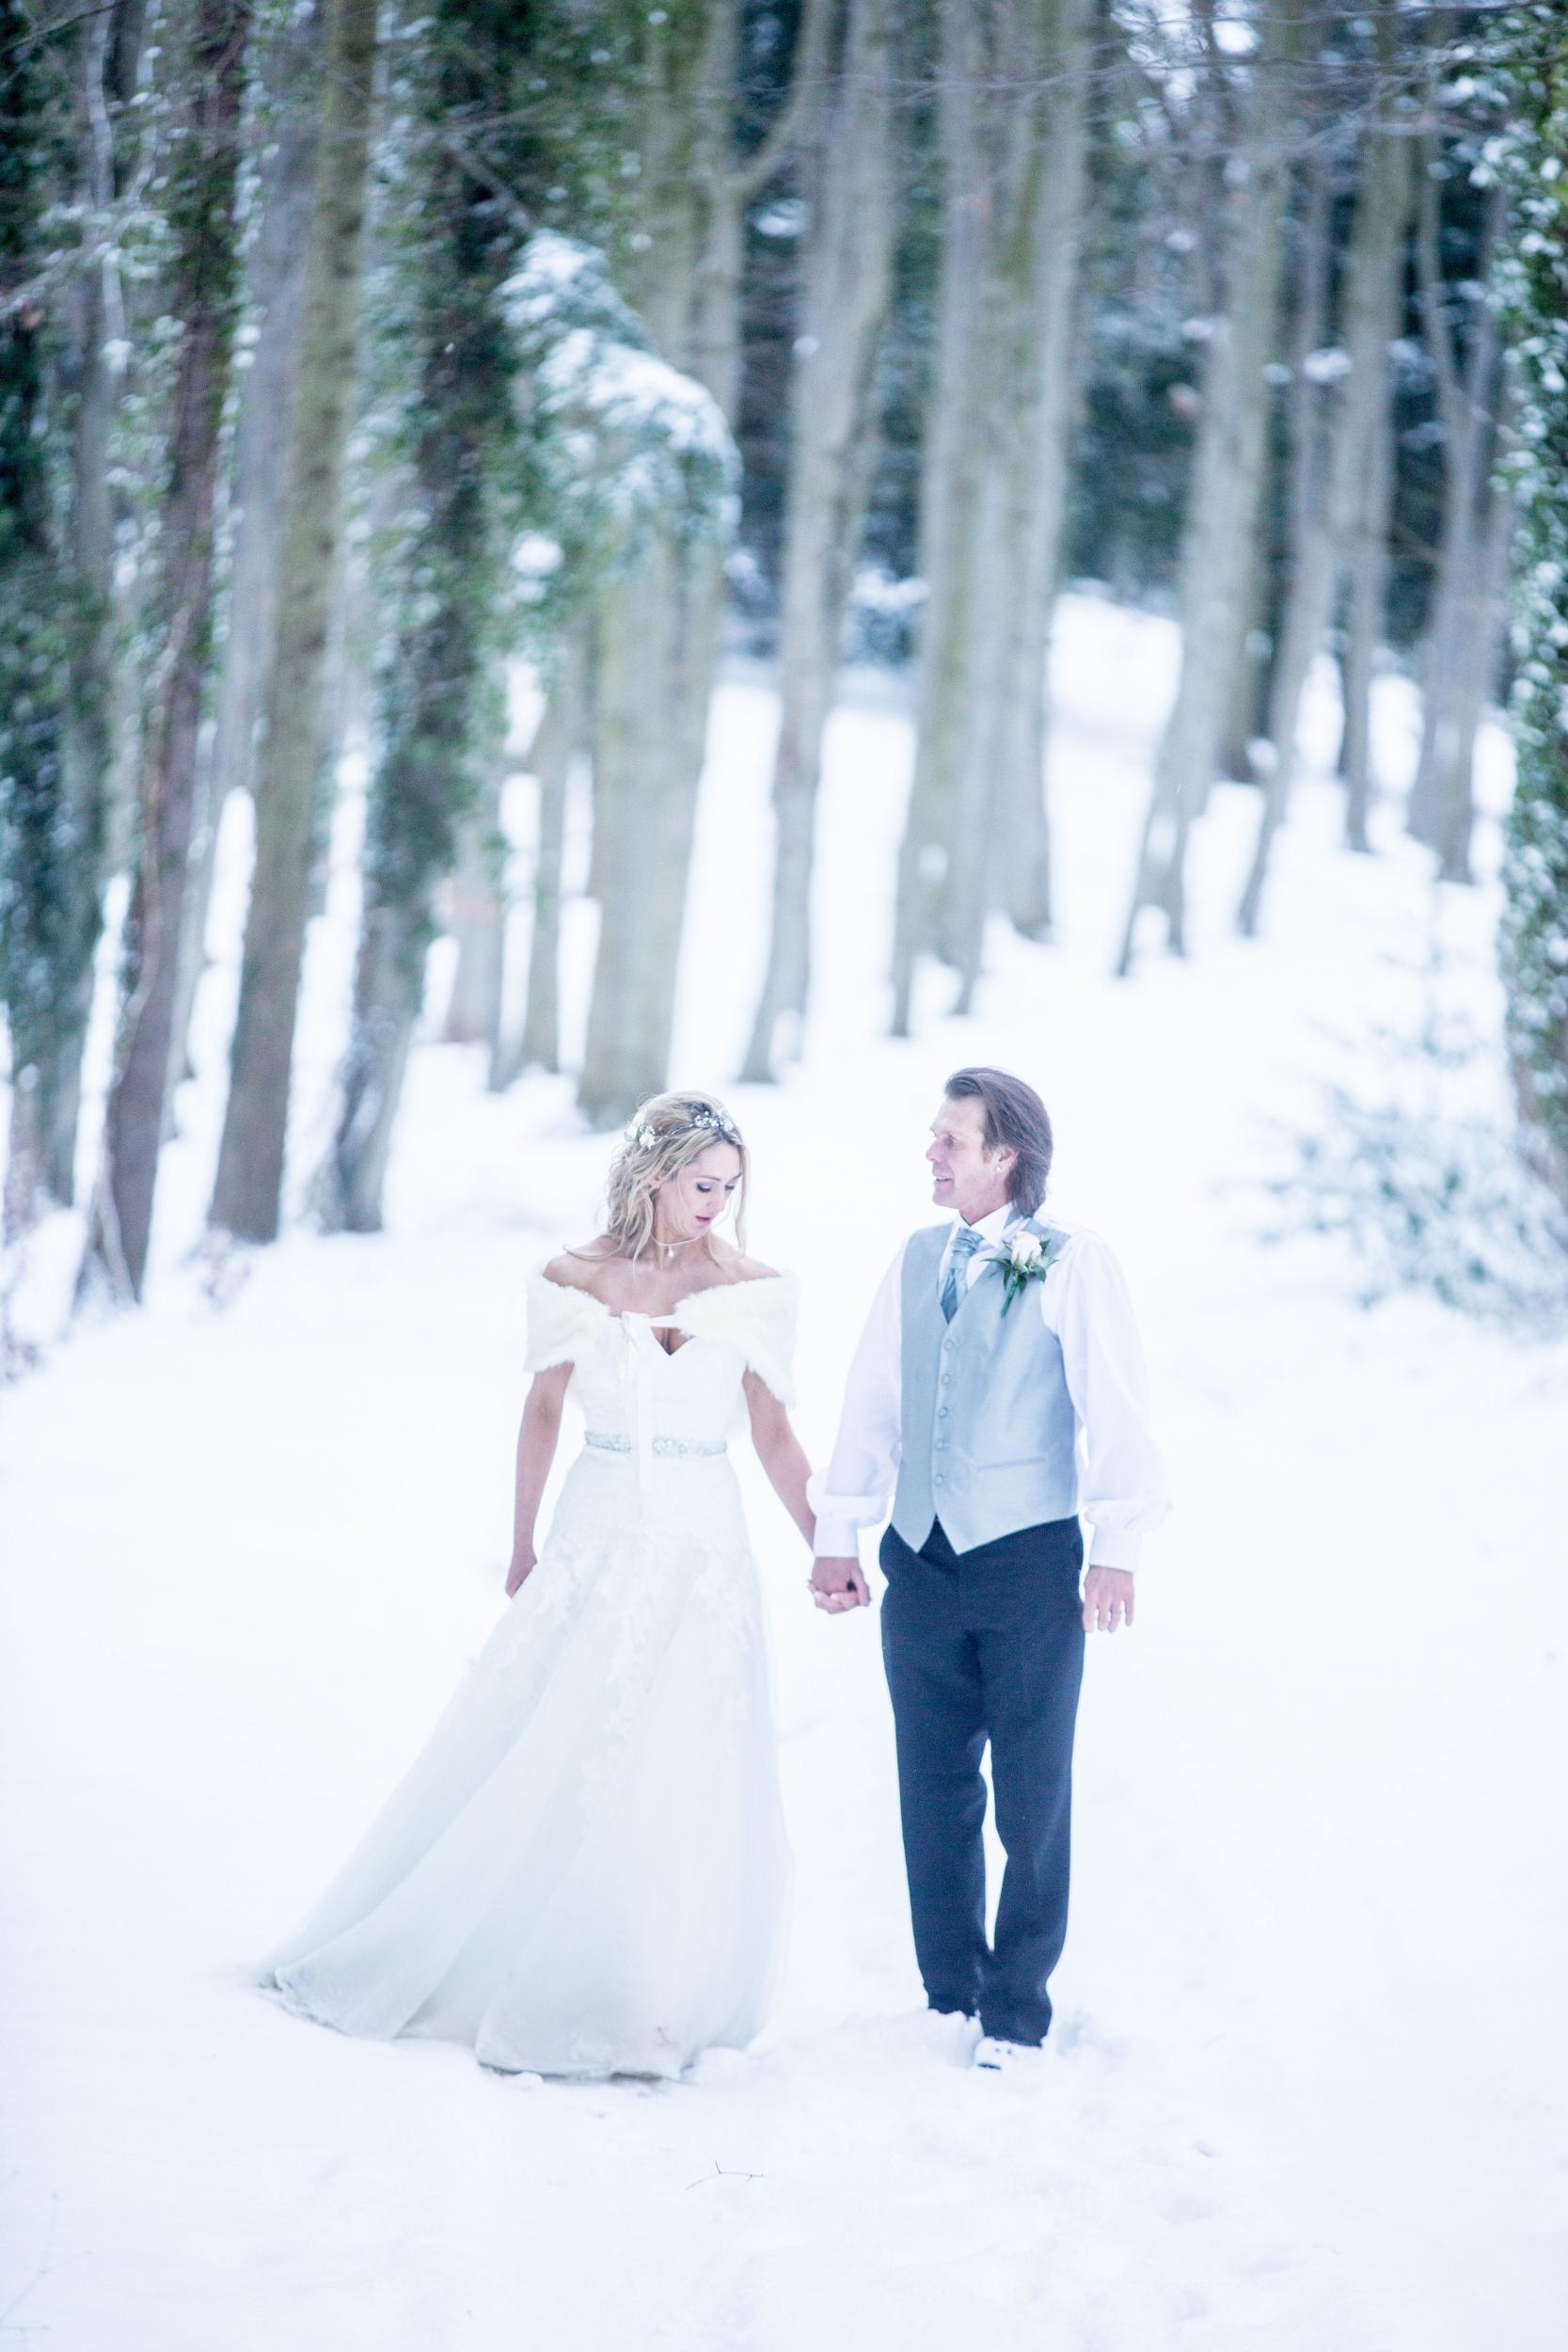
(999, 1347)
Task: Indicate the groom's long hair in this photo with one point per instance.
(1016, 1121)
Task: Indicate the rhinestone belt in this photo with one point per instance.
(668, 1449)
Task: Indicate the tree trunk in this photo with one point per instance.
(1367, 597)
(558, 743)
(388, 984)
(36, 886)
(203, 296)
(1531, 288)
(1248, 702)
(477, 919)
(1466, 403)
(447, 575)
(655, 656)
(275, 284)
(64, 97)
(107, 63)
(1373, 267)
(950, 485)
(1297, 451)
(1483, 650)
(849, 277)
(656, 632)
(248, 1194)
(1223, 502)
(999, 849)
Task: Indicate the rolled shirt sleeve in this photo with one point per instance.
(1125, 1490)
(856, 1487)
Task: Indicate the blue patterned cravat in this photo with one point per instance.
(965, 1243)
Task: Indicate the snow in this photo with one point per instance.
(589, 362)
(1308, 2083)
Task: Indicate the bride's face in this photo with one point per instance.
(692, 1202)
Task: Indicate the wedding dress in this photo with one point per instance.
(583, 1872)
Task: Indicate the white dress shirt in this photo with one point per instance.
(1083, 1300)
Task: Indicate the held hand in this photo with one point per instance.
(522, 1568)
(838, 1584)
(1107, 1599)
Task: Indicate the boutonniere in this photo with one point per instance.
(1023, 1259)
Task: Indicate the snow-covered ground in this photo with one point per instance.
(1308, 2085)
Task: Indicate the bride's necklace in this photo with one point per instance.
(669, 1247)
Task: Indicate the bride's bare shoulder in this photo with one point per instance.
(740, 1269)
(574, 1269)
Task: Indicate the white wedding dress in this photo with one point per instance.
(583, 1872)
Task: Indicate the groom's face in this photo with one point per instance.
(965, 1176)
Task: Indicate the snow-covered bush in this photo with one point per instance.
(615, 443)
(1426, 1181)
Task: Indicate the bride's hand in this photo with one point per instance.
(837, 1584)
(522, 1567)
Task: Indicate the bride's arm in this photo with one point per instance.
(779, 1451)
(536, 1443)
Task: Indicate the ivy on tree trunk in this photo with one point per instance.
(1531, 287)
(49, 844)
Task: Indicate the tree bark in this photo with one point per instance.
(1328, 519)
(1530, 287)
(1467, 395)
(558, 743)
(108, 64)
(203, 296)
(849, 175)
(477, 919)
(656, 632)
(434, 723)
(1221, 509)
(999, 847)
(654, 653)
(950, 482)
(1367, 597)
(248, 1193)
(1482, 641)
(275, 275)
(1273, 565)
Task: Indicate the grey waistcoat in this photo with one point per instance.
(988, 1432)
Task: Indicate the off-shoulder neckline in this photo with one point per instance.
(616, 1314)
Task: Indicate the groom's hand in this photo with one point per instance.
(837, 1584)
(1107, 1599)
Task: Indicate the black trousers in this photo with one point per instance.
(986, 1645)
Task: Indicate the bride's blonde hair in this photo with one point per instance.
(669, 1132)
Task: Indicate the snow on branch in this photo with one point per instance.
(619, 443)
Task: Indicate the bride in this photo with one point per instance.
(583, 1871)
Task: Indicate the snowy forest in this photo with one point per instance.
(358, 364)
(551, 549)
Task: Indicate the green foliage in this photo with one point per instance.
(202, 297)
(457, 172)
(1532, 290)
(613, 445)
(510, 420)
(48, 911)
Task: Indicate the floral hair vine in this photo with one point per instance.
(642, 1134)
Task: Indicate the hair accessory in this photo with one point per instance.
(642, 1134)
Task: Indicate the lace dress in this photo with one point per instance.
(583, 1872)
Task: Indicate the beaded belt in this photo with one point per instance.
(668, 1449)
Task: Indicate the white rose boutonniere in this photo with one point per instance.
(1023, 1258)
